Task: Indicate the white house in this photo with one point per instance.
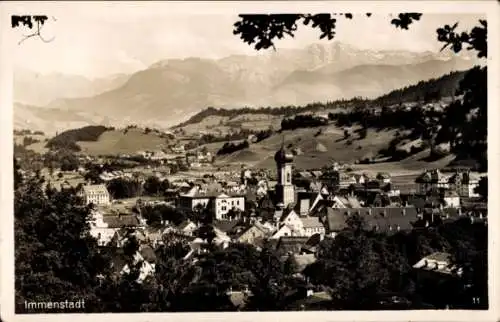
(291, 224)
(178, 149)
(432, 180)
(451, 199)
(223, 203)
(103, 235)
(96, 194)
(146, 269)
(219, 202)
(100, 230)
(312, 226)
(393, 193)
(346, 179)
(361, 178)
(338, 203)
(221, 238)
(288, 224)
(284, 231)
(187, 228)
(316, 201)
(293, 220)
(190, 200)
(439, 263)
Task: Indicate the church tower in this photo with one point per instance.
(285, 191)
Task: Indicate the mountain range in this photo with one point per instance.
(172, 90)
(42, 89)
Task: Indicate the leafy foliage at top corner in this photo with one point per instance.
(405, 19)
(261, 30)
(27, 20)
(476, 39)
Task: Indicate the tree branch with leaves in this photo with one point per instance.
(261, 30)
(36, 22)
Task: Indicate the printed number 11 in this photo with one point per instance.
(475, 300)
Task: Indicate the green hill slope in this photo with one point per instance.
(118, 142)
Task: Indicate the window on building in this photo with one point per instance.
(288, 177)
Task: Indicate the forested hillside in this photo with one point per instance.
(68, 139)
(436, 88)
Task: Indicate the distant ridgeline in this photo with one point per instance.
(432, 89)
(436, 88)
(283, 110)
(27, 132)
(67, 139)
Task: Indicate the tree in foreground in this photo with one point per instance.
(55, 257)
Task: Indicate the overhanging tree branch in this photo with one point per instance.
(27, 21)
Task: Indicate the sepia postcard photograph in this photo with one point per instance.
(248, 160)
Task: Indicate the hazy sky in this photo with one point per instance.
(102, 39)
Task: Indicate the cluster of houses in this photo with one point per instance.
(178, 149)
(199, 159)
(462, 184)
(106, 176)
(194, 159)
(294, 219)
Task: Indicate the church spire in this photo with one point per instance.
(285, 191)
(282, 155)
